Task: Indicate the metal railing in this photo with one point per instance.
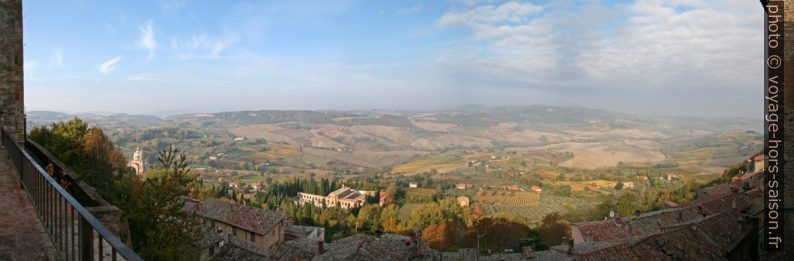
(74, 231)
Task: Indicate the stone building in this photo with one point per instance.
(722, 223)
(12, 109)
(755, 163)
(138, 162)
(294, 232)
(463, 201)
(258, 226)
(463, 186)
(209, 243)
(344, 197)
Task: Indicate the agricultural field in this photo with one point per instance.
(588, 150)
(710, 155)
(408, 208)
(531, 214)
(506, 197)
(439, 162)
(585, 185)
(610, 153)
(420, 194)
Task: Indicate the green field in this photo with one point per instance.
(535, 213)
(507, 197)
(440, 162)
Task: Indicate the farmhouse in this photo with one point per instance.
(383, 197)
(512, 187)
(259, 226)
(628, 185)
(463, 201)
(756, 163)
(413, 185)
(463, 186)
(344, 197)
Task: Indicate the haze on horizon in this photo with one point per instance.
(662, 57)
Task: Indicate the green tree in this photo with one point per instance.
(159, 227)
(367, 219)
(499, 234)
(553, 228)
(389, 219)
(88, 152)
(425, 215)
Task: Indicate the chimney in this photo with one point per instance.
(628, 227)
(224, 238)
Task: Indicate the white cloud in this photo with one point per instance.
(646, 44)
(57, 58)
(202, 45)
(490, 16)
(411, 10)
(109, 65)
(147, 40)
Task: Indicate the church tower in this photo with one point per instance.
(137, 162)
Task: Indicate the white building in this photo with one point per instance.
(138, 163)
(344, 197)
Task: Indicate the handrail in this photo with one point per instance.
(56, 207)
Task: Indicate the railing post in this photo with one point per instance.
(53, 202)
(86, 240)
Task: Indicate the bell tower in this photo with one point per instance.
(137, 162)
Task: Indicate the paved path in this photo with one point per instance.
(22, 236)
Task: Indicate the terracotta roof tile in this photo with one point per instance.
(256, 220)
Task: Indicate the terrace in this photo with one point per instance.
(43, 221)
(22, 235)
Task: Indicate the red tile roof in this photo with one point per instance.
(256, 220)
(688, 242)
(705, 229)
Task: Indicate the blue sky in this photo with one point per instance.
(667, 57)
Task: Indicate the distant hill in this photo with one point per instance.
(368, 140)
(112, 121)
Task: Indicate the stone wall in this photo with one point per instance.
(12, 112)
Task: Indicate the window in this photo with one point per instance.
(234, 231)
(252, 237)
(212, 250)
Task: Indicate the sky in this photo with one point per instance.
(657, 57)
